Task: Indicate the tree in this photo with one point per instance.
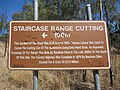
(3, 28)
(25, 14)
(73, 10)
(113, 21)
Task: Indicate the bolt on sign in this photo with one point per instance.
(58, 45)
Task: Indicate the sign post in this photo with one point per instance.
(35, 72)
(95, 72)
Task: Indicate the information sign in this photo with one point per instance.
(58, 45)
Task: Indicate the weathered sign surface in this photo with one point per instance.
(58, 45)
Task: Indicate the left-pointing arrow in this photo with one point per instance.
(44, 35)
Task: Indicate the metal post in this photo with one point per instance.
(85, 71)
(111, 77)
(95, 72)
(96, 79)
(35, 9)
(35, 72)
(101, 18)
(35, 79)
(84, 75)
(89, 14)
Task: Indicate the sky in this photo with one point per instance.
(12, 6)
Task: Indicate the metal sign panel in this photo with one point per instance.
(58, 45)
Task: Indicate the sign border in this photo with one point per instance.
(74, 68)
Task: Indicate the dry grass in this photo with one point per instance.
(56, 79)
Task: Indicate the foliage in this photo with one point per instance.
(3, 21)
(3, 28)
(25, 14)
(113, 21)
(2, 37)
(75, 10)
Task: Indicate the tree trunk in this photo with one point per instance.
(100, 8)
(5, 45)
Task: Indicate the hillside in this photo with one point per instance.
(56, 79)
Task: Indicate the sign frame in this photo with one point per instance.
(72, 68)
